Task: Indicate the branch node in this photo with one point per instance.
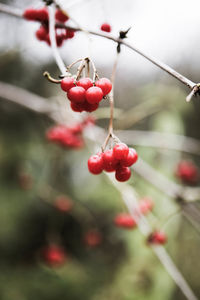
(195, 91)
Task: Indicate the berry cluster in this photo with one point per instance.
(84, 94)
(54, 255)
(106, 27)
(187, 172)
(69, 137)
(118, 159)
(41, 15)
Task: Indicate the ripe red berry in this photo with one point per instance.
(69, 34)
(60, 16)
(67, 83)
(145, 205)
(93, 238)
(30, 14)
(106, 27)
(76, 94)
(122, 174)
(120, 151)
(90, 107)
(77, 107)
(131, 158)
(158, 238)
(105, 85)
(125, 220)
(187, 172)
(85, 83)
(42, 14)
(95, 164)
(42, 33)
(94, 95)
(109, 162)
(54, 255)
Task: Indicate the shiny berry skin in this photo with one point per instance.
(76, 94)
(67, 83)
(42, 33)
(187, 172)
(125, 220)
(85, 83)
(122, 174)
(145, 205)
(93, 238)
(105, 85)
(95, 164)
(54, 255)
(30, 14)
(131, 158)
(94, 95)
(106, 27)
(158, 238)
(60, 16)
(109, 162)
(120, 151)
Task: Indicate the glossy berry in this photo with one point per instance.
(63, 203)
(54, 255)
(120, 151)
(30, 14)
(187, 172)
(158, 238)
(94, 95)
(106, 27)
(77, 107)
(42, 33)
(145, 205)
(131, 158)
(122, 174)
(109, 162)
(76, 94)
(85, 83)
(60, 16)
(95, 164)
(67, 83)
(124, 220)
(93, 238)
(105, 85)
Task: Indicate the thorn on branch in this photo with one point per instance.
(195, 91)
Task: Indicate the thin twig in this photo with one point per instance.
(9, 10)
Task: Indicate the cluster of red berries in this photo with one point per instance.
(41, 15)
(187, 172)
(54, 255)
(84, 94)
(69, 137)
(118, 159)
(125, 220)
(106, 27)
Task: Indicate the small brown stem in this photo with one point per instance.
(74, 63)
(51, 79)
(80, 69)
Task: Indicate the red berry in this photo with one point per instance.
(77, 107)
(93, 238)
(124, 220)
(122, 174)
(85, 83)
(157, 237)
(94, 95)
(42, 33)
(90, 107)
(145, 205)
(54, 255)
(106, 27)
(187, 172)
(76, 94)
(60, 16)
(42, 14)
(120, 151)
(30, 14)
(67, 83)
(131, 158)
(105, 85)
(63, 203)
(69, 33)
(109, 162)
(95, 164)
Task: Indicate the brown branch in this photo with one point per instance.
(193, 86)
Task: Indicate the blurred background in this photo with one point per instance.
(48, 200)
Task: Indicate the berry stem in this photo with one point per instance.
(80, 69)
(50, 78)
